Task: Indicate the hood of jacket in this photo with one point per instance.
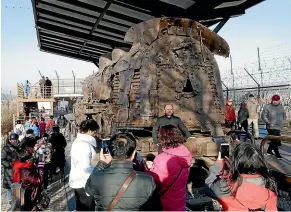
(182, 153)
(252, 100)
(259, 195)
(86, 138)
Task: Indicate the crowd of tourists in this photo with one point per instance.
(109, 179)
(31, 157)
(112, 175)
(273, 115)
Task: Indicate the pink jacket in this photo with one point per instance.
(166, 167)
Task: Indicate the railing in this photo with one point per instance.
(34, 92)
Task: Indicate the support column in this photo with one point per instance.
(52, 108)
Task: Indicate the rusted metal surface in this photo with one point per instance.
(171, 61)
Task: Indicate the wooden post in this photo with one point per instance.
(52, 108)
(14, 121)
(16, 195)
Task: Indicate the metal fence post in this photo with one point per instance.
(226, 90)
(74, 81)
(259, 87)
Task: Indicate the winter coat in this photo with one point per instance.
(165, 120)
(166, 167)
(29, 141)
(274, 116)
(253, 108)
(35, 129)
(50, 124)
(82, 152)
(62, 123)
(242, 115)
(137, 194)
(27, 125)
(48, 83)
(59, 144)
(230, 113)
(42, 125)
(32, 180)
(9, 154)
(19, 129)
(251, 195)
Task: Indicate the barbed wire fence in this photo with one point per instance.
(266, 73)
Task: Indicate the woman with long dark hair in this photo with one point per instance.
(242, 182)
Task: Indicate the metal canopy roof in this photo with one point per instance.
(86, 29)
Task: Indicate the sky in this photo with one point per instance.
(266, 25)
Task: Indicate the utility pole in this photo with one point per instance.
(231, 71)
(260, 68)
(74, 81)
(58, 81)
(226, 89)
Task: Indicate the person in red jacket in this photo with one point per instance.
(242, 183)
(50, 124)
(230, 117)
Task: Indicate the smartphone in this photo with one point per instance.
(224, 149)
(105, 146)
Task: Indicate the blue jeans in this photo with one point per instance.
(9, 195)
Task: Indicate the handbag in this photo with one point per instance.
(121, 191)
(155, 199)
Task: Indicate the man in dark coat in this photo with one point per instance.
(59, 144)
(48, 87)
(9, 154)
(274, 115)
(122, 148)
(169, 119)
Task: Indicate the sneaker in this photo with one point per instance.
(270, 153)
(279, 157)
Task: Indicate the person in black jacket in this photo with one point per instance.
(48, 87)
(169, 119)
(106, 180)
(59, 144)
(242, 117)
(29, 140)
(9, 154)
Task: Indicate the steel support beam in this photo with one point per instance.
(220, 25)
(58, 81)
(97, 23)
(96, 64)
